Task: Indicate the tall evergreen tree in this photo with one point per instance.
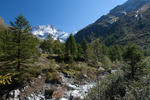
(132, 55)
(115, 53)
(71, 46)
(97, 50)
(80, 50)
(58, 48)
(21, 45)
(47, 45)
(84, 45)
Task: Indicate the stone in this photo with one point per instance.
(15, 93)
(75, 95)
(63, 99)
(59, 93)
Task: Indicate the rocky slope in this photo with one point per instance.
(110, 25)
(3, 25)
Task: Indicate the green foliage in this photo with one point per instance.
(18, 52)
(132, 55)
(90, 57)
(53, 77)
(47, 45)
(144, 66)
(18, 43)
(21, 24)
(138, 90)
(71, 47)
(146, 51)
(115, 53)
(106, 62)
(58, 47)
(109, 88)
(27, 74)
(80, 54)
(84, 45)
(53, 47)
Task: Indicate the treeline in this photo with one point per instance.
(95, 53)
(87, 52)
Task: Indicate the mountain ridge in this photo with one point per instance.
(101, 27)
(42, 32)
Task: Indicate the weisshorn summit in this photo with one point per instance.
(125, 23)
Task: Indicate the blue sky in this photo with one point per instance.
(67, 15)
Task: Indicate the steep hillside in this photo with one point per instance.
(134, 27)
(126, 16)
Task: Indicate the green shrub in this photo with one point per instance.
(53, 78)
(108, 88)
(106, 62)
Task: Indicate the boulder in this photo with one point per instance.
(76, 95)
(59, 93)
(14, 95)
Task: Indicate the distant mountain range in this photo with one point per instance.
(129, 22)
(42, 32)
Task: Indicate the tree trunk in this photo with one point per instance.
(18, 51)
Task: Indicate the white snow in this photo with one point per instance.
(42, 32)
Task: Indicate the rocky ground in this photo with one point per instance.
(38, 89)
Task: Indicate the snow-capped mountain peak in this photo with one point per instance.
(42, 32)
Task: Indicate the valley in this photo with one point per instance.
(107, 60)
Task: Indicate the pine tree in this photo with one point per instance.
(132, 55)
(97, 50)
(115, 53)
(71, 46)
(47, 45)
(84, 45)
(58, 48)
(21, 45)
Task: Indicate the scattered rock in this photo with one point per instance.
(59, 93)
(63, 99)
(76, 95)
(14, 95)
